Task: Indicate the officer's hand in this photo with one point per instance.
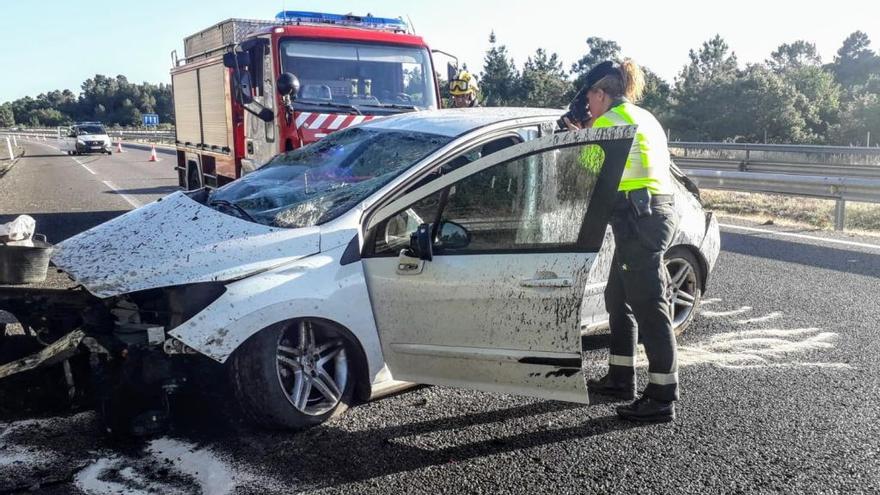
(572, 126)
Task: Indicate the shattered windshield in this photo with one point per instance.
(317, 183)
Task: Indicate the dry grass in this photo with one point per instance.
(791, 209)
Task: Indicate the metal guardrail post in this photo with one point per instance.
(840, 214)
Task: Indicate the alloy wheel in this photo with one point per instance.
(312, 368)
(683, 286)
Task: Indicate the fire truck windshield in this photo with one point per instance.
(317, 183)
(360, 74)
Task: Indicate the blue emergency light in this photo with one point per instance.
(368, 21)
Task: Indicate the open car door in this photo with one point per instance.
(476, 278)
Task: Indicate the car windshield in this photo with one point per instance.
(317, 183)
(90, 129)
(360, 74)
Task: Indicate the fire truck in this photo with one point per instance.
(247, 90)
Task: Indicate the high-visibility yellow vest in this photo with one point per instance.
(648, 163)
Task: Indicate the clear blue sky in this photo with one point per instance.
(51, 44)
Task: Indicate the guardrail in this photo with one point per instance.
(828, 172)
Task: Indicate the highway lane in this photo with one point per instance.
(779, 394)
(67, 194)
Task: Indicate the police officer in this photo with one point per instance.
(463, 90)
(643, 222)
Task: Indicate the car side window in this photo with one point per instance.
(535, 202)
(539, 201)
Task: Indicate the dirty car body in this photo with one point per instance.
(457, 247)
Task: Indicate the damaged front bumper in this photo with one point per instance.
(115, 352)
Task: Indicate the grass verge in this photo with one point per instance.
(792, 209)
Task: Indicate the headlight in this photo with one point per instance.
(80, 141)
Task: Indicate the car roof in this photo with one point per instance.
(457, 121)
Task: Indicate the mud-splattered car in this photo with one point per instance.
(463, 248)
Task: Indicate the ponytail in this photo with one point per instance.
(633, 80)
(628, 81)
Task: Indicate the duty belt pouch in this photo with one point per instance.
(640, 202)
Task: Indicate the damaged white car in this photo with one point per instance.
(466, 248)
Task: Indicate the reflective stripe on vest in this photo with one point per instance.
(647, 165)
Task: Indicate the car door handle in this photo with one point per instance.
(556, 282)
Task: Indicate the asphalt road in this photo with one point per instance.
(779, 391)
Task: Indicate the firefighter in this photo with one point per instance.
(643, 222)
(463, 90)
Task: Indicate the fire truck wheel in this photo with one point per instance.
(294, 375)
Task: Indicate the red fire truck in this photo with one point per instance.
(247, 90)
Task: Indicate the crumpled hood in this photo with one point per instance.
(176, 241)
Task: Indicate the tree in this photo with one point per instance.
(657, 95)
(702, 91)
(7, 118)
(499, 79)
(543, 82)
(860, 116)
(793, 56)
(598, 50)
(855, 62)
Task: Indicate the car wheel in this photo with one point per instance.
(685, 285)
(293, 376)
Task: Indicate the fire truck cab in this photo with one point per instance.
(247, 90)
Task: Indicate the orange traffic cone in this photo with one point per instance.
(119, 146)
(153, 157)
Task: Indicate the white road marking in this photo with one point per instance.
(735, 312)
(801, 236)
(83, 165)
(126, 197)
(760, 319)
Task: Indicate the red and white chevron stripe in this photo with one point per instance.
(329, 122)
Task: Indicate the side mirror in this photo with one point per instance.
(453, 236)
(288, 85)
(234, 60)
(420, 245)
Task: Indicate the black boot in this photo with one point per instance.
(622, 388)
(648, 410)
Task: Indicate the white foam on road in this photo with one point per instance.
(192, 468)
(212, 474)
(733, 312)
(760, 319)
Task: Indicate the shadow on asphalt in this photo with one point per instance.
(57, 155)
(60, 226)
(328, 455)
(841, 260)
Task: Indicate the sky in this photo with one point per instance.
(52, 44)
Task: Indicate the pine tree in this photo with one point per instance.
(499, 79)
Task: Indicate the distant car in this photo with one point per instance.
(466, 248)
(86, 137)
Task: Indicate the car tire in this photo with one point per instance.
(281, 383)
(685, 286)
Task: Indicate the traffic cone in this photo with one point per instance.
(153, 157)
(119, 146)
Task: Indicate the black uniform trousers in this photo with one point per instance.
(637, 296)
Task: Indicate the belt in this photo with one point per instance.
(656, 199)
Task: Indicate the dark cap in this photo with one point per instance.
(598, 72)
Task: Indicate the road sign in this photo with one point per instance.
(151, 119)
